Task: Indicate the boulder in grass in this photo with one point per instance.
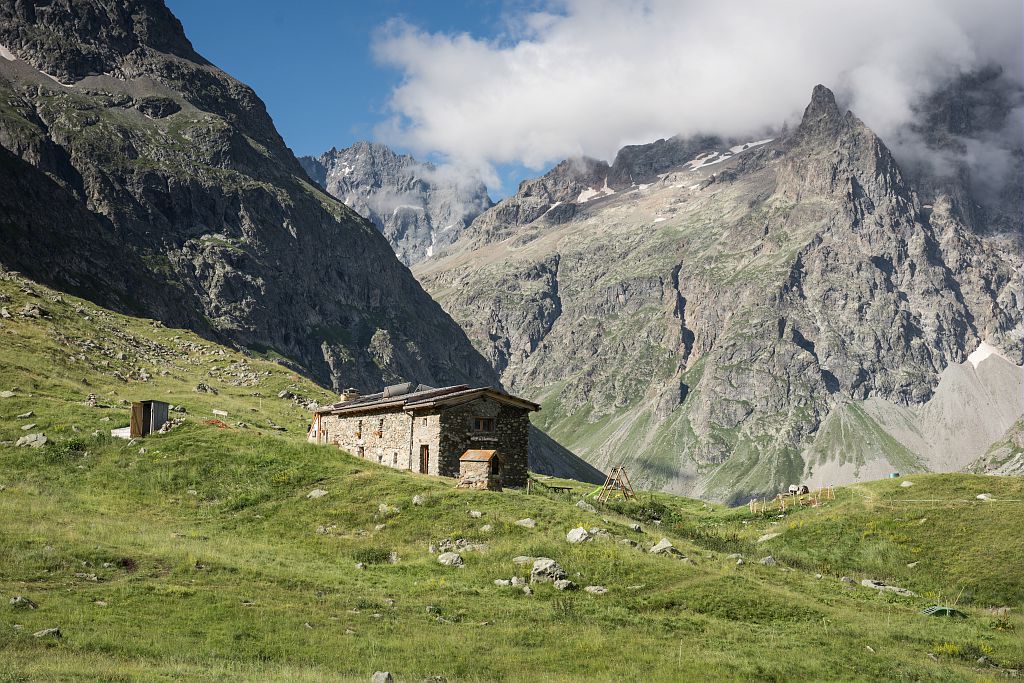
(21, 602)
(596, 590)
(526, 522)
(316, 493)
(450, 559)
(565, 585)
(546, 570)
(665, 547)
(48, 633)
(578, 535)
(382, 677)
(32, 440)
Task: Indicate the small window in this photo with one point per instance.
(394, 458)
(483, 424)
(361, 453)
(424, 422)
(359, 430)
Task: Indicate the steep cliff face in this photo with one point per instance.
(420, 209)
(137, 174)
(700, 325)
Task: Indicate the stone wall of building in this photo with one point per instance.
(386, 437)
(511, 437)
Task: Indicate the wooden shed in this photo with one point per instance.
(480, 469)
(148, 417)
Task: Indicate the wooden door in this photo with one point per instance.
(424, 459)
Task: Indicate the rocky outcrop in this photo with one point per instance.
(700, 326)
(135, 173)
(419, 208)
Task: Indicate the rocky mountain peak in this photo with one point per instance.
(418, 207)
(71, 40)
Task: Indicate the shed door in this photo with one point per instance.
(424, 459)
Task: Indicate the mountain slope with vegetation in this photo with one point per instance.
(199, 554)
(138, 175)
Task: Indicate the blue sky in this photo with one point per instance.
(311, 60)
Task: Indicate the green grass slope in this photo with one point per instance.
(197, 555)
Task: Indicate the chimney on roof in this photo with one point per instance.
(349, 394)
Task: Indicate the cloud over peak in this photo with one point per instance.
(589, 76)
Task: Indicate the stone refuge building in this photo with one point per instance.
(427, 430)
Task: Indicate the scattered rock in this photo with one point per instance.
(596, 590)
(380, 527)
(382, 677)
(635, 527)
(526, 522)
(433, 609)
(32, 440)
(769, 536)
(360, 566)
(32, 311)
(476, 514)
(517, 581)
(665, 547)
(847, 579)
(880, 586)
(578, 535)
(565, 585)
(48, 633)
(911, 565)
(546, 570)
(7, 394)
(386, 510)
(584, 505)
(769, 561)
(285, 394)
(219, 413)
(527, 590)
(522, 559)
(25, 416)
(630, 542)
(450, 559)
(502, 582)
(5, 314)
(27, 427)
(734, 556)
(316, 493)
(21, 602)
(417, 500)
(906, 484)
(486, 528)
(204, 388)
(984, 496)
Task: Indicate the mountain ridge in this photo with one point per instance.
(765, 282)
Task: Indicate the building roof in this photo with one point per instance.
(478, 456)
(412, 397)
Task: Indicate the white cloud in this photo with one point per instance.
(588, 76)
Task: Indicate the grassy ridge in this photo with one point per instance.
(201, 557)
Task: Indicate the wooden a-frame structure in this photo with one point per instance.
(616, 481)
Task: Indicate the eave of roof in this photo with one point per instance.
(470, 394)
(453, 395)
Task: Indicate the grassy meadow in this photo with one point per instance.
(198, 555)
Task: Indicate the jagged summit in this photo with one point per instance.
(822, 113)
(419, 208)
